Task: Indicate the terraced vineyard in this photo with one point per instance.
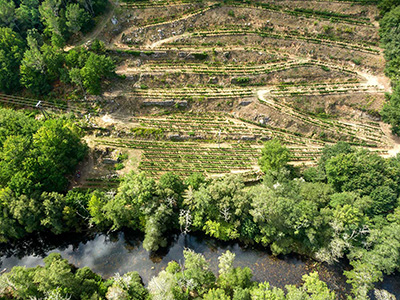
(202, 84)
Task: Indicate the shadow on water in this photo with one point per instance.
(122, 252)
(391, 284)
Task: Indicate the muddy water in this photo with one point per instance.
(123, 252)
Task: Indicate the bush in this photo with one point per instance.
(241, 80)
(119, 166)
(200, 56)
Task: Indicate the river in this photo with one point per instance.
(107, 254)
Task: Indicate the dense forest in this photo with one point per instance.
(390, 39)
(32, 36)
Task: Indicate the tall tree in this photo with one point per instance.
(274, 156)
(96, 68)
(11, 54)
(28, 15)
(76, 17)
(33, 68)
(50, 13)
(7, 13)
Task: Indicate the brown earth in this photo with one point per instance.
(303, 78)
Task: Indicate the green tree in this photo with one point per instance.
(28, 15)
(387, 5)
(7, 13)
(289, 214)
(198, 272)
(94, 7)
(9, 227)
(359, 171)
(226, 262)
(330, 151)
(165, 287)
(362, 278)
(16, 123)
(33, 67)
(384, 200)
(77, 17)
(11, 53)
(220, 207)
(87, 282)
(50, 14)
(18, 283)
(95, 207)
(265, 291)
(53, 205)
(170, 186)
(157, 224)
(55, 151)
(57, 272)
(14, 152)
(60, 141)
(316, 288)
(274, 156)
(75, 213)
(127, 208)
(216, 294)
(76, 77)
(76, 58)
(236, 278)
(98, 47)
(195, 180)
(391, 109)
(96, 68)
(129, 287)
(28, 212)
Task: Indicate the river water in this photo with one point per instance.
(122, 252)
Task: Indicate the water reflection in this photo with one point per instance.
(122, 252)
(391, 284)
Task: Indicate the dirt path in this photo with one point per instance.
(117, 40)
(381, 81)
(341, 44)
(393, 140)
(168, 40)
(99, 28)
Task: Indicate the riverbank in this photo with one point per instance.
(107, 254)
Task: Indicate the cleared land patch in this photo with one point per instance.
(203, 84)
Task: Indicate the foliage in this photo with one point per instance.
(47, 25)
(35, 157)
(391, 110)
(77, 17)
(274, 156)
(220, 207)
(40, 66)
(96, 68)
(88, 69)
(143, 204)
(39, 161)
(129, 286)
(11, 53)
(347, 208)
(58, 279)
(359, 171)
(390, 39)
(156, 226)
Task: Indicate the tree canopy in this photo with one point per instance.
(32, 35)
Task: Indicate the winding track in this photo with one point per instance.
(370, 83)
